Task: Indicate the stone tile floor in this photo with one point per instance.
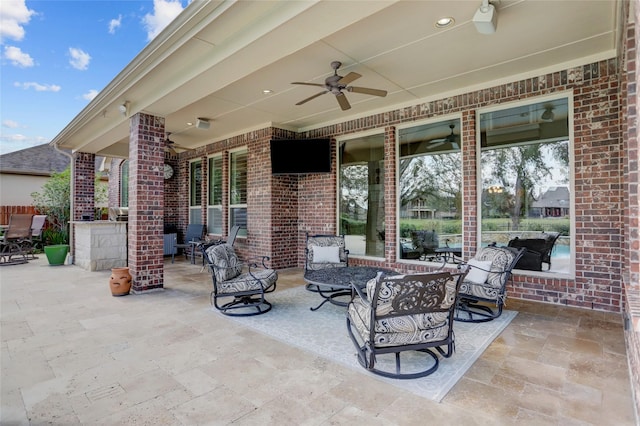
(73, 354)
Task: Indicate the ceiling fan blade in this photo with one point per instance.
(308, 84)
(170, 149)
(349, 78)
(311, 97)
(342, 100)
(367, 91)
(455, 145)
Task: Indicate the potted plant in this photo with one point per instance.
(55, 201)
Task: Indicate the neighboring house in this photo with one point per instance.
(553, 203)
(24, 172)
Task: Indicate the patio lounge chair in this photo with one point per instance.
(538, 251)
(245, 290)
(486, 283)
(16, 242)
(37, 227)
(324, 251)
(404, 313)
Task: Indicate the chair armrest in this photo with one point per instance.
(355, 290)
(252, 262)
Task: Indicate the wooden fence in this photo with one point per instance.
(7, 211)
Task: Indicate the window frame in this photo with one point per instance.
(231, 207)
(568, 95)
(407, 125)
(344, 139)
(195, 218)
(211, 224)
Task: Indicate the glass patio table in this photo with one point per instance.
(332, 283)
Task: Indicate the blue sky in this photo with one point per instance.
(57, 55)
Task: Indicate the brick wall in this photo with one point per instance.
(84, 186)
(631, 265)
(146, 202)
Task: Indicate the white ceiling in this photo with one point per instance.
(216, 58)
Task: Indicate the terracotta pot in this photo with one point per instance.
(120, 281)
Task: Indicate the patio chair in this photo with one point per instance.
(231, 239)
(324, 251)
(237, 293)
(37, 227)
(486, 283)
(538, 251)
(401, 313)
(425, 243)
(194, 234)
(16, 243)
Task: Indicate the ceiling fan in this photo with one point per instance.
(336, 84)
(170, 146)
(450, 138)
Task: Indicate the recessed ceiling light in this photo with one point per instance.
(189, 123)
(445, 22)
(267, 91)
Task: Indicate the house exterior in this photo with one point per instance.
(226, 179)
(552, 203)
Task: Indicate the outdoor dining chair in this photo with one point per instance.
(16, 242)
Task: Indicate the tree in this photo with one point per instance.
(55, 201)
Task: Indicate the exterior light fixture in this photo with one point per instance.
(547, 115)
(445, 22)
(124, 109)
(486, 18)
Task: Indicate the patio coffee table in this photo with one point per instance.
(331, 283)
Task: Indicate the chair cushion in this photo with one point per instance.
(478, 271)
(409, 329)
(226, 263)
(493, 288)
(258, 280)
(326, 254)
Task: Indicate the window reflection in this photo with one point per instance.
(362, 195)
(525, 175)
(430, 189)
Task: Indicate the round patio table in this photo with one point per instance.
(332, 283)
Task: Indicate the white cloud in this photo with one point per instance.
(90, 94)
(79, 58)
(164, 11)
(114, 24)
(13, 15)
(38, 87)
(9, 124)
(18, 57)
(16, 142)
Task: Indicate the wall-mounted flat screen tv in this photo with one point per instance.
(300, 156)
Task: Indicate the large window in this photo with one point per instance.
(195, 192)
(525, 179)
(238, 190)
(429, 188)
(361, 198)
(214, 208)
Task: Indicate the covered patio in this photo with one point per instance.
(73, 354)
(205, 98)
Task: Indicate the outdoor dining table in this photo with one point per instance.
(332, 283)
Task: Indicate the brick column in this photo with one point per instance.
(146, 202)
(84, 185)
